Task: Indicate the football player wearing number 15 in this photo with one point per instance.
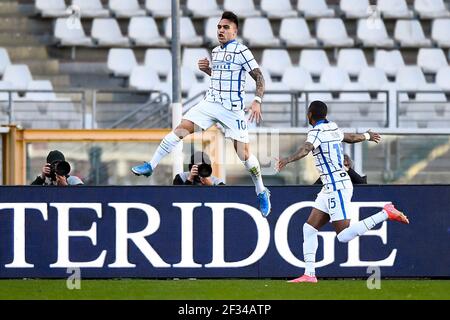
(334, 201)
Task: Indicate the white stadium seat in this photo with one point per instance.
(106, 32)
(188, 79)
(70, 34)
(158, 8)
(296, 78)
(322, 96)
(411, 78)
(91, 8)
(121, 62)
(334, 78)
(332, 32)
(210, 28)
(40, 96)
(203, 8)
(159, 60)
(126, 9)
(276, 61)
(258, 32)
(372, 78)
(355, 8)
(295, 33)
(389, 61)
(352, 61)
(244, 8)
(431, 59)
(52, 8)
(431, 9)
(188, 36)
(18, 75)
(443, 78)
(314, 61)
(4, 60)
(410, 34)
(312, 9)
(278, 9)
(372, 33)
(190, 57)
(143, 31)
(394, 9)
(439, 32)
(354, 96)
(144, 78)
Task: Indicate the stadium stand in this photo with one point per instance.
(430, 9)
(160, 60)
(188, 35)
(394, 9)
(410, 34)
(125, 9)
(91, 8)
(352, 61)
(203, 8)
(312, 9)
(439, 32)
(278, 9)
(258, 32)
(158, 8)
(332, 33)
(106, 32)
(121, 62)
(373, 34)
(246, 8)
(51, 8)
(143, 31)
(68, 35)
(355, 8)
(4, 60)
(294, 32)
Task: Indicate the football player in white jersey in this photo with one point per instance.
(334, 200)
(224, 104)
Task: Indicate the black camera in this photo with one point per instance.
(60, 168)
(204, 170)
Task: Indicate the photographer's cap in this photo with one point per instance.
(55, 155)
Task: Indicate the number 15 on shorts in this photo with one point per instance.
(241, 124)
(331, 203)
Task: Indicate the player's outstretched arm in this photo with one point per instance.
(360, 137)
(306, 148)
(203, 65)
(255, 108)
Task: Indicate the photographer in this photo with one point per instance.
(56, 172)
(199, 174)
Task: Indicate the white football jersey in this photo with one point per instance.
(230, 64)
(327, 138)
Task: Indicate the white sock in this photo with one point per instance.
(310, 244)
(252, 165)
(361, 227)
(165, 147)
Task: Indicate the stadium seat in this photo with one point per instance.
(143, 31)
(411, 78)
(160, 60)
(389, 61)
(18, 75)
(121, 62)
(439, 32)
(296, 78)
(158, 8)
(354, 96)
(190, 57)
(431, 9)
(40, 96)
(91, 8)
(203, 8)
(323, 96)
(144, 78)
(372, 78)
(312, 9)
(278, 9)
(244, 8)
(71, 35)
(295, 33)
(275, 61)
(188, 36)
(106, 32)
(372, 33)
(258, 33)
(126, 9)
(352, 61)
(210, 28)
(4, 60)
(394, 9)
(188, 79)
(331, 31)
(410, 34)
(51, 8)
(355, 8)
(443, 78)
(334, 78)
(431, 59)
(314, 61)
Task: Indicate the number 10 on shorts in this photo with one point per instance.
(241, 124)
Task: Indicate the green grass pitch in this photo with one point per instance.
(224, 289)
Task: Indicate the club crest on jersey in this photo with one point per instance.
(228, 57)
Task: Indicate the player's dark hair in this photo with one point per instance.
(318, 110)
(230, 16)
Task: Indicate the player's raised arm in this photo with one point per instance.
(360, 137)
(306, 148)
(255, 108)
(203, 65)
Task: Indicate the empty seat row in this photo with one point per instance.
(247, 8)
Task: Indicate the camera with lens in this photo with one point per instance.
(60, 168)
